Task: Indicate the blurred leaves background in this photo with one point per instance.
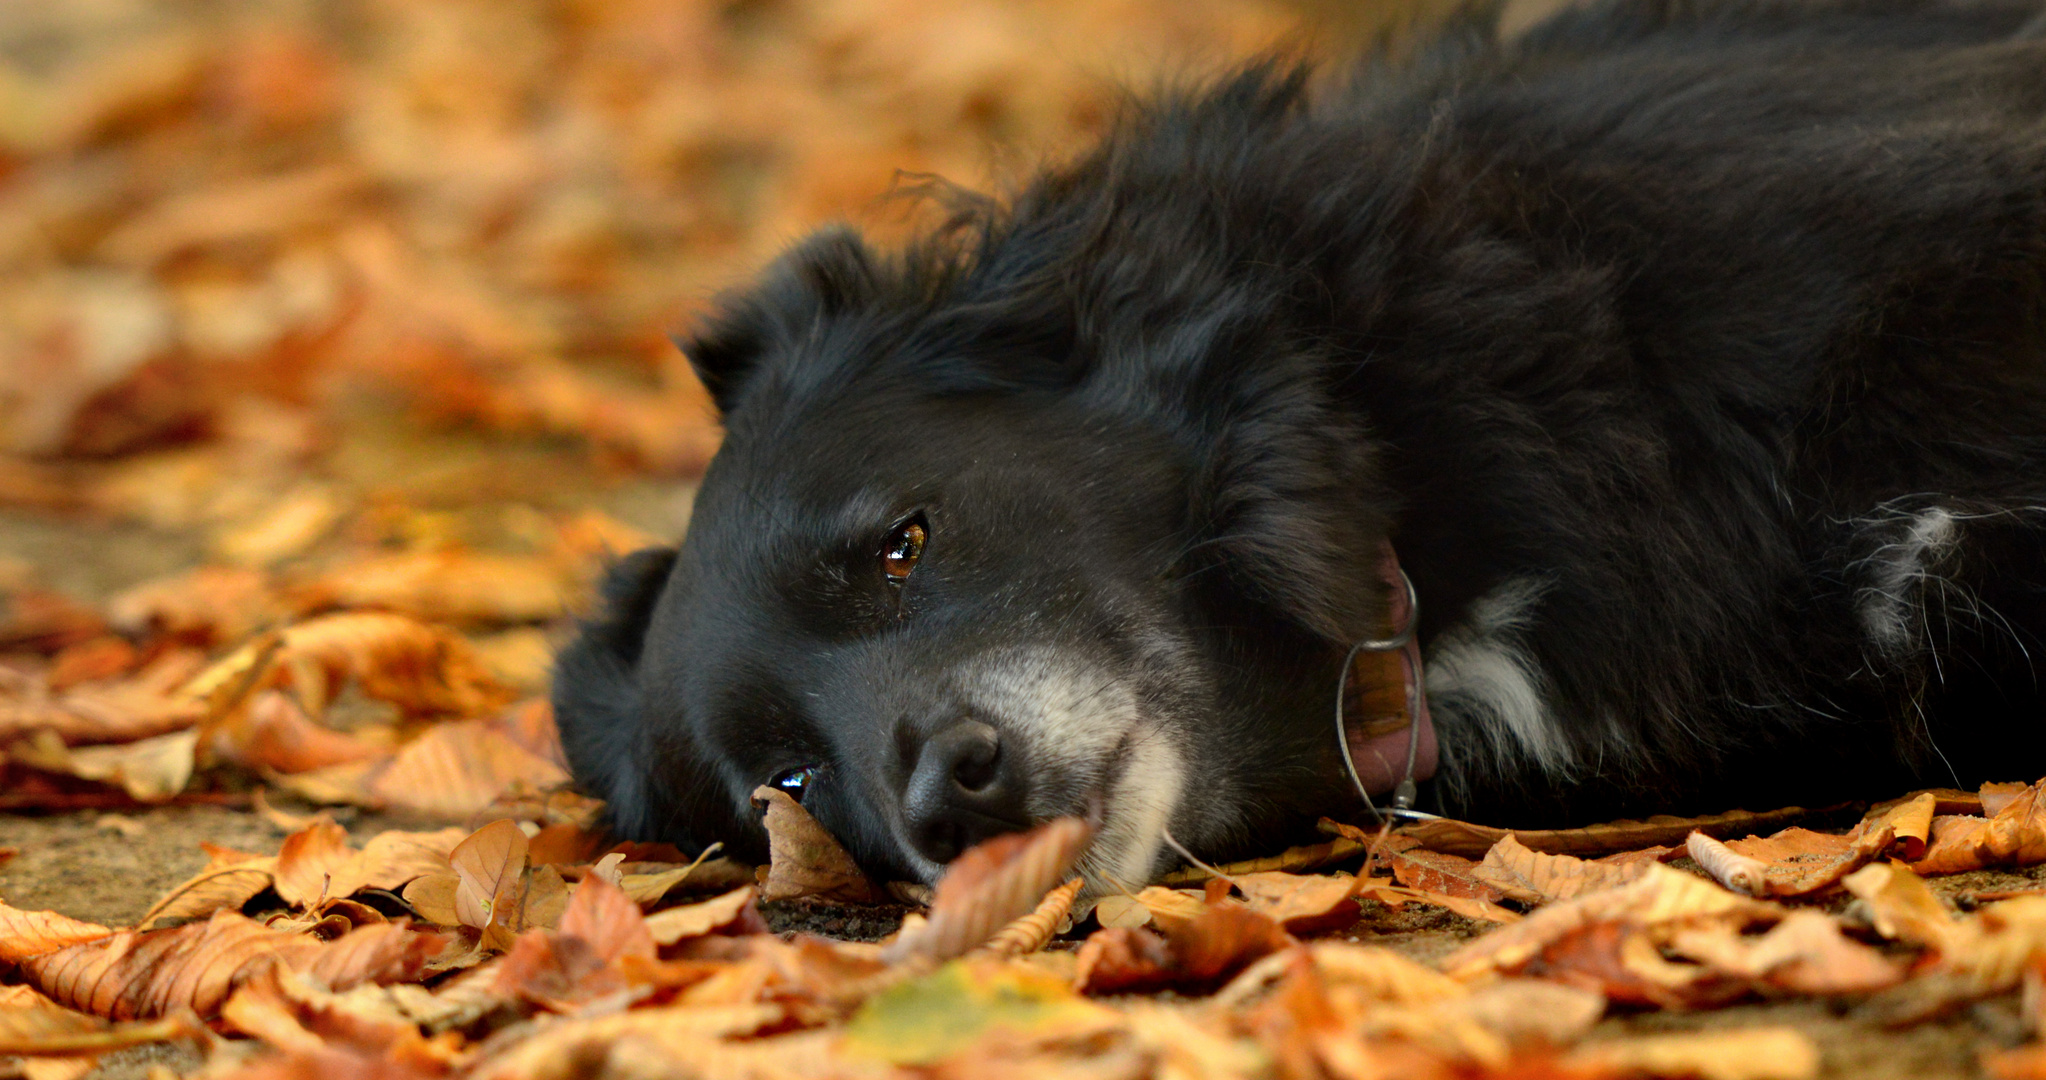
(281, 271)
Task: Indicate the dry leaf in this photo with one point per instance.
(207, 606)
(1660, 898)
(223, 885)
(991, 885)
(1031, 932)
(457, 769)
(1803, 954)
(273, 733)
(733, 909)
(1293, 860)
(1195, 955)
(149, 770)
(804, 860)
(119, 711)
(1903, 908)
(601, 914)
(446, 587)
(1747, 1054)
(1536, 878)
(1473, 841)
(489, 863)
(1301, 903)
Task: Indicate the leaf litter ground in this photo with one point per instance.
(329, 430)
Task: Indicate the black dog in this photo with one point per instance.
(1691, 355)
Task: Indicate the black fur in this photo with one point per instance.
(1682, 316)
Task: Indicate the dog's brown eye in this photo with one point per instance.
(904, 547)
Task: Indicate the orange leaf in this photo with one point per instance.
(308, 861)
(489, 863)
(805, 860)
(1301, 903)
(24, 934)
(601, 914)
(1473, 841)
(1536, 878)
(274, 733)
(733, 909)
(1031, 932)
(991, 885)
(457, 769)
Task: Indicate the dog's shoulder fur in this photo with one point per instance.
(1672, 343)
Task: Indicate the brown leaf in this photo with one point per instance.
(1660, 898)
(422, 669)
(1193, 956)
(208, 606)
(446, 586)
(1903, 908)
(1470, 907)
(307, 862)
(1794, 862)
(274, 733)
(25, 934)
(489, 863)
(34, 1025)
(804, 860)
(2015, 836)
(129, 974)
(991, 885)
(98, 659)
(458, 769)
(433, 897)
(1473, 841)
(36, 620)
(1301, 903)
(1031, 932)
(1292, 860)
(732, 910)
(1803, 954)
(1536, 878)
(1152, 903)
(1910, 821)
(220, 886)
(143, 706)
(149, 770)
(1435, 872)
(601, 914)
(1765, 1053)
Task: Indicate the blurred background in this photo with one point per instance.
(286, 279)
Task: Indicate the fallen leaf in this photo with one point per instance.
(32, 1024)
(1473, 841)
(1031, 932)
(307, 862)
(991, 885)
(274, 733)
(121, 711)
(924, 1020)
(803, 859)
(95, 660)
(130, 974)
(1803, 954)
(1660, 898)
(149, 770)
(219, 886)
(462, 587)
(1195, 955)
(1467, 906)
(1903, 908)
(1152, 903)
(1293, 860)
(2014, 836)
(489, 863)
(601, 914)
(1533, 877)
(646, 1042)
(1301, 903)
(733, 909)
(458, 769)
(1763, 1053)
(207, 606)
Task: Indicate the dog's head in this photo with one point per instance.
(990, 541)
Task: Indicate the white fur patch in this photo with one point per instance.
(1087, 728)
(1889, 605)
(1481, 672)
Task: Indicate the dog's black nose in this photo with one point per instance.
(964, 789)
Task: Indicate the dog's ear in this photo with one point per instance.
(826, 275)
(1298, 511)
(597, 704)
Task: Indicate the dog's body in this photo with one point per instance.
(1692, 358)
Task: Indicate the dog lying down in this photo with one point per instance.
(1687, 358)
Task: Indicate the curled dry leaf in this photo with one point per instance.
(1301, 903)
(1903, 908)
(211, 605)
(422, 669)
(2014, 836)
(991, 885)
(128, 974)
(224, 884)
(1196, 955)
(33, 1025)
(1151, 904)
(602, 915)
(1469, 907)
(119, 711)
(803, 859)
(1803, 954)
(1794, 862)
(1030, 933)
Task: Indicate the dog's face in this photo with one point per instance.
(935, 605)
